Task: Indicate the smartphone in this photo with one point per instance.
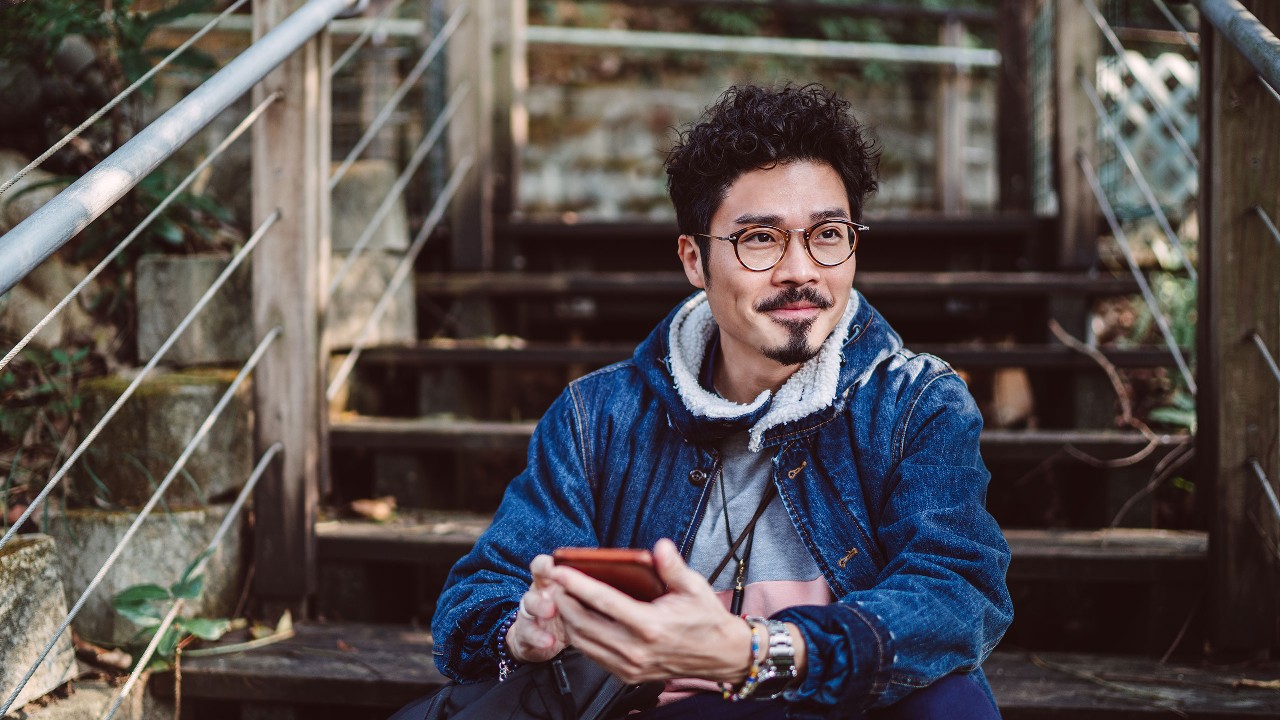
(630, 571)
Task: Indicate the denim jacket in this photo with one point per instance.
(884, 484)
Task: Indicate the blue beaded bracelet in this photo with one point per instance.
(506, 663)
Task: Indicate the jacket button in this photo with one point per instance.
(698, 477)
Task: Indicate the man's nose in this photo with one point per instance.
(795, 267)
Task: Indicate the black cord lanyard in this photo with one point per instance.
(748, 534)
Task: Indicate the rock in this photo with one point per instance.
(74, 55)
(90, 699)
(32, 606)
(20, 96)
(139, 446)
(359, 293)
(30, 300)
(169, 286)
(354, 201)
(159, 552)
(27, 196)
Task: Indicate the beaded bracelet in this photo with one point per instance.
(748, 685)
(506, 663)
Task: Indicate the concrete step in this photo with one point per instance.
(372, 669)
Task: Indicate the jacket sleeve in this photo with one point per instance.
(940, 604)
(548, 505)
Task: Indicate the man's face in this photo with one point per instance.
(783, 314)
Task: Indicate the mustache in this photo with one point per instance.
(794, 295)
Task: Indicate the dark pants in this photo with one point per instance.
(954, 697)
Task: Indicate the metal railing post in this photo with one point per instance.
(290, 173)
(1239, 408)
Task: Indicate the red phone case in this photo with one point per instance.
(630, 571)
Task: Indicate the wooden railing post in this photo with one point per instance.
(290, 174)
(470, 134)
(1239, 401)
(1013, 119)
(1076, 44)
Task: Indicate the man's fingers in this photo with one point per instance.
(600, 597)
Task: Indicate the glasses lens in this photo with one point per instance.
(831, 243)
(760, 247)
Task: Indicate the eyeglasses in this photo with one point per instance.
(760, 247)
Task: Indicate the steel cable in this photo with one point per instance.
(234, 135)
(428, 55)
(401, 273)
(1182, 30)
(1266, 354)
(397, 189)
(1132, 164)
(363, 37)
(232, 513)
(1159, 108)
(154, 500)
(1123, 242)
(121, 97)
(236, 260)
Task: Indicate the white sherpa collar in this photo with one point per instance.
(810, 389)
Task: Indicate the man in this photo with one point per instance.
(773, 425)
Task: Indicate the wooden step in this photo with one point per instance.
(438, 433)
(1113, 555)
(384, 667)
(506, 351)
(875, 285)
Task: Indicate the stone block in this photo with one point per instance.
(139, 446)
(32, 606)
(27, 195)
(354, 201)
(358, 295)
(23, 307)
(169, 286)
(164, 545)
(90, 699)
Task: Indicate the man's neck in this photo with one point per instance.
(742, 379)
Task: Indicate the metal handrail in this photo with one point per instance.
(120, 247)
(1259, 45)
(123, 94)
(49, 228)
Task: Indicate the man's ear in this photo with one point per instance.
(691, 260)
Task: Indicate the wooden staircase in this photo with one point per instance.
(442, 426)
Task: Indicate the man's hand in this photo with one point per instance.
(685, 633)
(538, 634)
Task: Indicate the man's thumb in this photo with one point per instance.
(671, 567)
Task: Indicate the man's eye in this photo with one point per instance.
(758, 238)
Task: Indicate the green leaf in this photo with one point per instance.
(169, 231)
(60, 356)
(144, 616)
(168, 643)
(205, 628)
(138, 594)
(189, 588)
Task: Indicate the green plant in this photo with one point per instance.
(146, 606)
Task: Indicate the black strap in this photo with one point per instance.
(769, 491)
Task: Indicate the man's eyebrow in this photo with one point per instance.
(830, 214)
(833, 213)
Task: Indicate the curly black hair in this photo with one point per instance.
(751, 127)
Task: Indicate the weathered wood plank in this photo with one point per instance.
(432, 433)
(503, 352)
(1240, 400)
(1076, 43)
(386, 666)
(290, 175)
(1123, 555)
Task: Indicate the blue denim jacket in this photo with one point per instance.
(885, 487)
